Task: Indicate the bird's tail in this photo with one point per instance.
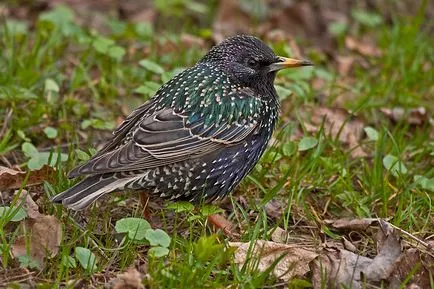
(88, 190)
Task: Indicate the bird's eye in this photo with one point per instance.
(251, 62)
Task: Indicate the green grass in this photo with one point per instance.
(78, 82)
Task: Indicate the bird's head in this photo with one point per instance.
(249, 60)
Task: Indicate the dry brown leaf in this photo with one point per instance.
(415, 116)
(4, 11)
(389, 250)
(230, 20)
(279, 235)
(300, 18)
(278, 35)
(45, 237)
(10, 178)
(13, 179)
(275, 208)
(345, 64)
(131, 279)
(280, 21)
(44, 233)
(338, 123)
(408, 261)
(351, 224)
(348, 245)
(338, 267)
(342, 267)
(190, 40)
(294, 263)
(29, 205)
(362, 46)
(138, 11)
(77, 283)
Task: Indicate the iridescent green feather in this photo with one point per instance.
(210, 97)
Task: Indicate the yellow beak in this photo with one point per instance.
(284, 62)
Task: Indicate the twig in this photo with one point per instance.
(18, 278)
(426, 245)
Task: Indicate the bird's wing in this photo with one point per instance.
(122, 131)
(163, 138)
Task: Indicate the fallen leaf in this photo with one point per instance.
(6, 170)
(277, 35)
(389, 250)
(279, 235)
(338, 123)
(344, 268)
(337, 268)
(294, 263)
(419, 263)
(192, 41)
(345, 64)
(13, 179)
(138, 11)
(230, 20)
(131, 279)
(275, 208)
(300, 19)
(45, 237)
(29, 205)
(351, 224)
(362, 46)
(4, 11)
(348, 245)
(44, 233)
(415, 116)
(77, 283)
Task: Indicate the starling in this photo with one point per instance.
(198, 136)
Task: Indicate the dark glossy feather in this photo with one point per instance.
(164, 138)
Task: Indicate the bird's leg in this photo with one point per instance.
(219, 222)
(144, 199)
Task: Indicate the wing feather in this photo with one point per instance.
(163, 138)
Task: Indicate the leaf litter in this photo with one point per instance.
(364, 47)
(351, 224)
(292, 260)
(340, 264)
(11, 178)
(338, 123)
(130, 279)
(415, 116)
(43, 233)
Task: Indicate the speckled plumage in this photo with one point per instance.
(198, 137)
